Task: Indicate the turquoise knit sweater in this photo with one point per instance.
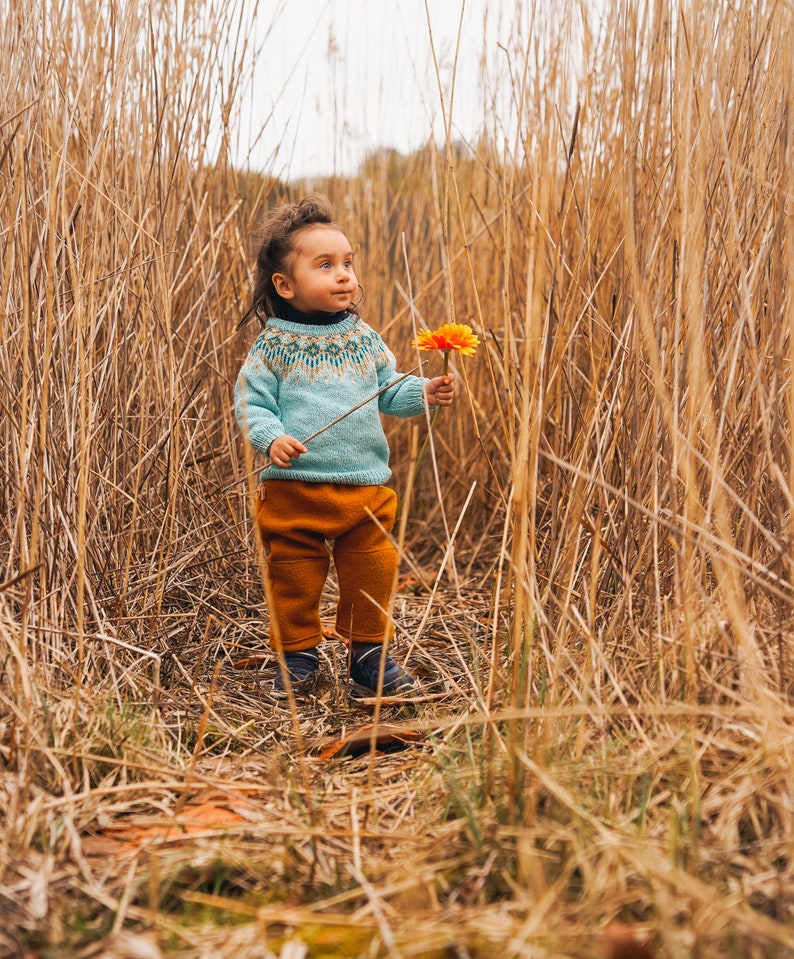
(297, 378)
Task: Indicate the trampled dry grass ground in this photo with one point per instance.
(597, 553)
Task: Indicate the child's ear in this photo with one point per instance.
(283, 286)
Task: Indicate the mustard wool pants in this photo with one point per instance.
(296, 519)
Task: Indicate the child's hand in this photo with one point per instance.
(440, 391)
(284, 449)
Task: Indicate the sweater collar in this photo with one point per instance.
(313, 319)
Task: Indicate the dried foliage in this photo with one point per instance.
(597, 554)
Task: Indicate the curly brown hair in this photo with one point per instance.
(277, 243)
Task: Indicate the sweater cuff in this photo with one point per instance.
(262, 440)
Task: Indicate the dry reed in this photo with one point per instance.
(600, 601)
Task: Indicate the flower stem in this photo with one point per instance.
(436, 411)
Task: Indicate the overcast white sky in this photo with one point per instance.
(334, 80)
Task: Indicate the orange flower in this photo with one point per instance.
(451, 336)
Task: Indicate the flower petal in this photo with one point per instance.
(455, 337)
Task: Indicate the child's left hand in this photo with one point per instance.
(440, 391)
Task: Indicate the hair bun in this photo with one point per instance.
(313, 208)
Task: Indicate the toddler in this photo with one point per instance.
(315, 360)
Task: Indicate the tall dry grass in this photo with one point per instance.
(603, 530)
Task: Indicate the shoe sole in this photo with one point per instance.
(366, 692)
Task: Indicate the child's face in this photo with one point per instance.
(319, 277)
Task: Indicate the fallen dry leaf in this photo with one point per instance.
(250, 662)
(329, 632)
(626, 942)
(202, 815)
(409, 583)
(387, 738)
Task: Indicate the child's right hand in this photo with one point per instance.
(284, 449)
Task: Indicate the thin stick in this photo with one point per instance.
(358, 406)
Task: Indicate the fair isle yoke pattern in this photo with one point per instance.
(298, 378)
(315, 354)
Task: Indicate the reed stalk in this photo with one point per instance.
(595, 576)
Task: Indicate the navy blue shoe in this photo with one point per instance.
(364, 670)
(303, 667)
